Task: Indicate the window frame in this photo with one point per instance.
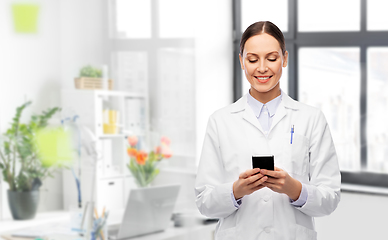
(296, 40)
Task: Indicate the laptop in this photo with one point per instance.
(148, 210)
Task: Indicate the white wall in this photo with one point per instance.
(29, 62)
(36, 66)
(358, 217)
(214, 64)
(82, 35)
(30, 71)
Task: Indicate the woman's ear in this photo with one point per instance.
(285, 62)
(241, 61)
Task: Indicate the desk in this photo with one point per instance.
(58, 221)
(41, 219)
(202, 232)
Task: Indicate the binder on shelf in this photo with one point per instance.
(134, 119)
(110, 121)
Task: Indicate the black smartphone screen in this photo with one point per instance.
(263, 162)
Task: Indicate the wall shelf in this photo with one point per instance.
(111, 175)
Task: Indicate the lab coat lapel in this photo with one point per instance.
(279, 115)
(249, 116)
(241, 106)
(281, 112)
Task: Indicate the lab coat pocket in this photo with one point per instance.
(303, 233)
(227, 234)
(296, 154)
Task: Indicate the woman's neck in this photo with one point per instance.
(265, 97)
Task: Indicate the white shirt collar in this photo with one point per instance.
(257, 105)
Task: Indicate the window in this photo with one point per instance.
(377, 105)
(329, 15)
(329, 78)
(346, 55)
(169, 26)
(376, 9)
(126, 19)
(259, 10)
(151, 47)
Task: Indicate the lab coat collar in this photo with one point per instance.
(288, 102)
(248, 114)
(241, 104)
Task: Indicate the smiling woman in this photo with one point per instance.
(262, 57)
(305, 182)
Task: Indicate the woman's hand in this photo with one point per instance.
(279, 181)
(248, 182)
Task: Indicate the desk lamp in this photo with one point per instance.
(87, 140)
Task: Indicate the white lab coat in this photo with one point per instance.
(233, 135)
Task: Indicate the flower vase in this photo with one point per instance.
(143, 165)
(144, 174)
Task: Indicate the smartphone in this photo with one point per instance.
(263, 162)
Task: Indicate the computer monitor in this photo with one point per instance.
(148, 210)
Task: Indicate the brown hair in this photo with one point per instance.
(258, 28)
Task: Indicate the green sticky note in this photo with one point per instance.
(25, 17)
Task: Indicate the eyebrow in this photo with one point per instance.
(266, 54)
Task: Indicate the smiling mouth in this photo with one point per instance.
(263, 79)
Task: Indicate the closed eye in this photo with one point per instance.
(272, 60)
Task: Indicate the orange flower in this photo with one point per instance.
(158, 150)
(132, 140)
(132, 152)
(141, 157)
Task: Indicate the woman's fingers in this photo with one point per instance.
(278, 169)
(269, 185)
(259, 181)
(272, 180)
(254, 178)
(257, 188)
(278, 173)
(248, 182)
(249, 173)
(274, 174)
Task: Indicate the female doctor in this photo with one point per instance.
(259, 203)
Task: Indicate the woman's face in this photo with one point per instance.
(262, 62)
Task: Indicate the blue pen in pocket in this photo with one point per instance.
(292, 133)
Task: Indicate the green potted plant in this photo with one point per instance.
(91, 78)
(20, 163)
(89, 71)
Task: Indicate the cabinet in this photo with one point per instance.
(112, 179)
